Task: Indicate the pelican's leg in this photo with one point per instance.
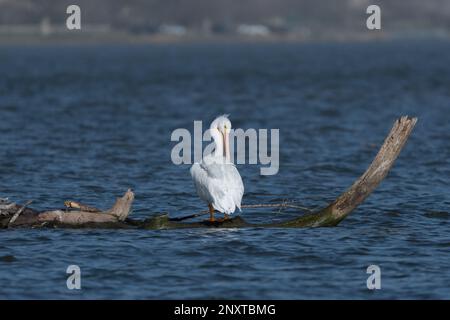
(211, 213)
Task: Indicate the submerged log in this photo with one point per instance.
(117, 216)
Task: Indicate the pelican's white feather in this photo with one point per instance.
(218, 183)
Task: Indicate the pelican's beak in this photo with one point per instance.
(226, 144)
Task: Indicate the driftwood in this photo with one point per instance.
(12, 215)
(112, 217)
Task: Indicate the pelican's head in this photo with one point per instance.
(221, 123)
(220, 132)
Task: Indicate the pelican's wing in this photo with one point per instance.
(207, 181)
(235, 184)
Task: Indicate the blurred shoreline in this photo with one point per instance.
(80, 38)
(219, 21)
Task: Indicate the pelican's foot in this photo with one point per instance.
(225, 218)
(211, 222)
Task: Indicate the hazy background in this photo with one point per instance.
(159, 20)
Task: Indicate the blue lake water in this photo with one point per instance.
(88, 122)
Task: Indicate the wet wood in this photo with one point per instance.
(18, 212)
(117, 216)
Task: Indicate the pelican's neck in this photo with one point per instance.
(218, 140)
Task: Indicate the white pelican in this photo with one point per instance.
(216, 179)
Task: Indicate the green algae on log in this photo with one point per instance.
(117, 216)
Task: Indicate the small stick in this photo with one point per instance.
(267, 205)
(16, 215)
(276, 205)
(191, 216)
(79, 206)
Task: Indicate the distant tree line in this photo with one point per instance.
(219, 15)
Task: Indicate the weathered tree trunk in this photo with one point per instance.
(366, 184)
(117, 216)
